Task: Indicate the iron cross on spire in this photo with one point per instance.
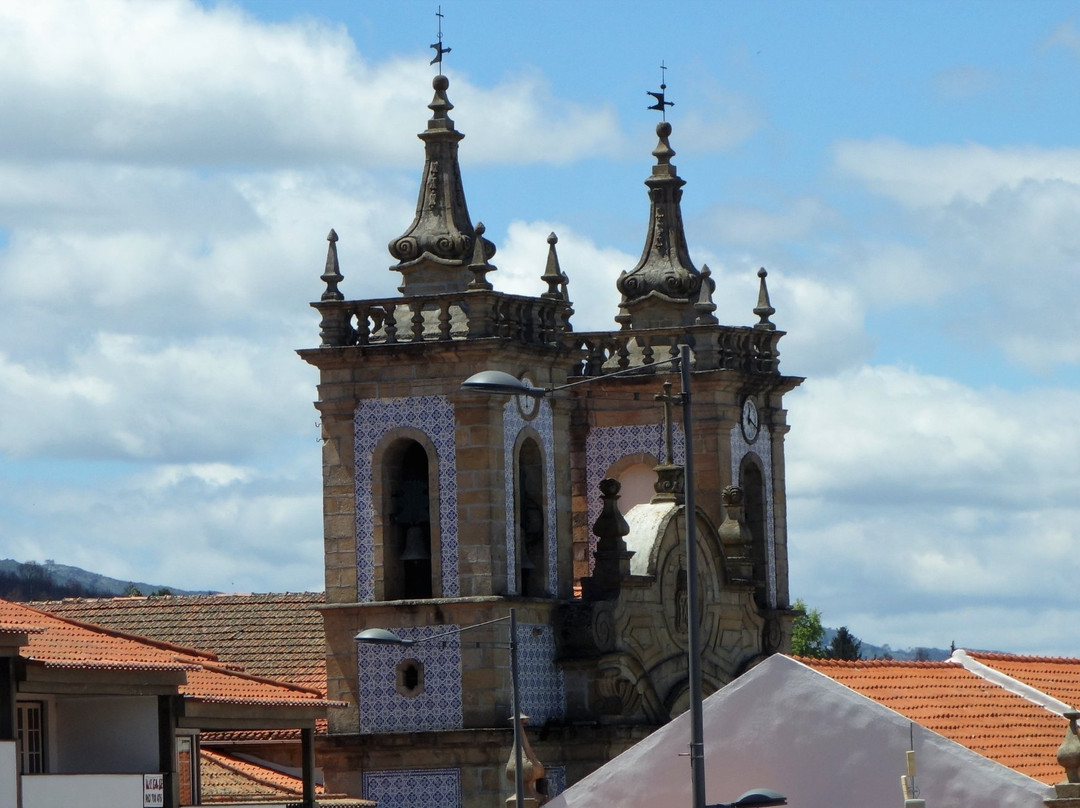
(660, 104)
(437, 46)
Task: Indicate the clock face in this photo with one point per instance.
(751, 420)
(528, 406)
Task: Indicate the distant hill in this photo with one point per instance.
(886, 652)
(51, 581)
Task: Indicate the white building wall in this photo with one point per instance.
(787, 727)
(81, 791)
(9, 774)
(106, 734)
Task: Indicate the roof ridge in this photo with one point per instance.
(1009, 683)
(1004, 655)
(873, 663)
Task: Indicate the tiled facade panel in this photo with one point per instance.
(543, 692)
(414, 788)
(434, 416)
(437, 705)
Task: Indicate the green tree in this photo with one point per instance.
(844, 645)
(807, 633)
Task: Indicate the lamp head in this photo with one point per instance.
(754, 798)
(380, 636)
(499, 383)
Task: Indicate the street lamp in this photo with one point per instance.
(380, 636)
(498, 382)
(755, 798)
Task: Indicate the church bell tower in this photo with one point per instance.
(444, 508)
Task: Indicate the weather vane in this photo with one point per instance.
(660, 104)
(437, 46)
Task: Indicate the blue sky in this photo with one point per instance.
(907, 172)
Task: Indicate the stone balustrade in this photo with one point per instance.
(482, 314)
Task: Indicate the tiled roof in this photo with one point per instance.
(214, 737)
(226, 779)
(56, 642)
(1056, 676)
(279, 636)
(59, 643)
(955, 703)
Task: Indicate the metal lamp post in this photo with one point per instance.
(498, 382)
(381, 636)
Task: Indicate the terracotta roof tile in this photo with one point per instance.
(57, 642)
(227, 779)
(1056, 676)
(279, 636)
(949, 700)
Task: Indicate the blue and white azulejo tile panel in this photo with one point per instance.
(436, 707)
(434, 416)
(543, 691)
(414, 788)
(556, 780)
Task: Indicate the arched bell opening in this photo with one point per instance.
(752, 481)
(407, 529)
(531, 521)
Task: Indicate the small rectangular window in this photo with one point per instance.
(31, 735)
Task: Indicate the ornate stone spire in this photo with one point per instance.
(435, 252)
(662, 290)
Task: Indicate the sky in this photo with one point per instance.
(908, 173)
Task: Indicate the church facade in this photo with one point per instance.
(444, 508)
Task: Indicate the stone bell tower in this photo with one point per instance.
(443, 508)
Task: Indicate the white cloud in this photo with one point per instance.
(936, 498)
(173, 82)
(201, 526)
(758, 228)
(129, 397)
(592, 270)
(933, 176)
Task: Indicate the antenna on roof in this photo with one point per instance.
(437, 46)
(907, 781)
(660, 104)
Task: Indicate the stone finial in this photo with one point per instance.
(611, 557)
(764, 308)
(1067, 792)
(610, 526)
(480, 265)
(553, 275)
(1068, 754)
(531, 771)
(332, 274)
(705, 306)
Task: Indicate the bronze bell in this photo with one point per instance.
(416, 546)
